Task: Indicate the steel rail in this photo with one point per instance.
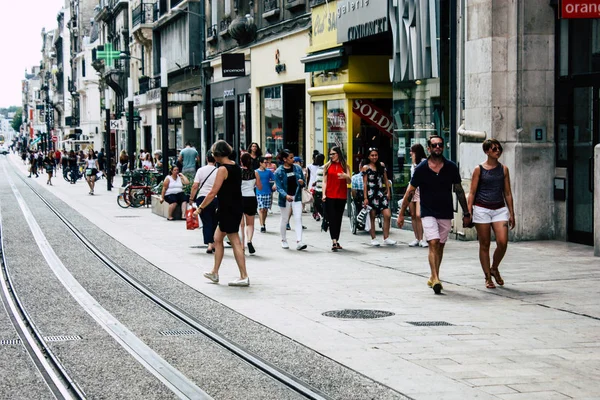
(269, 369)
(51, 369)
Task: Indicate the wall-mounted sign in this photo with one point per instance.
(229, 92)
(279, 66)
(153, 96)
(233, 64)
(580, 9)
(374, 116)
(324, 27)
(357, 19)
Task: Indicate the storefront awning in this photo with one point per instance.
(323, 61)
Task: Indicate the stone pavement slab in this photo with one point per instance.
(536, 337)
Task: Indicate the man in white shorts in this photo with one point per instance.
(436, 179)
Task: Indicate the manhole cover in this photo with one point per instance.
(429, 323)
(358, 314)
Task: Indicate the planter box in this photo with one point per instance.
(163, 209)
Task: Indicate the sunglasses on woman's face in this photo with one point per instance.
(496, 148)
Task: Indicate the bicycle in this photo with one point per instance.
(135, 196)
(79, 172)
(354, 207)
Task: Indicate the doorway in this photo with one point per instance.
(583, 135)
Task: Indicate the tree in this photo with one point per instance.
(17, 120)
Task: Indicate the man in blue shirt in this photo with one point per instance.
(436, 179)
(188, 158)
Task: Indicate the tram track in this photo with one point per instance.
(222, 332)
(270, 370)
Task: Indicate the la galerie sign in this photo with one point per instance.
(580, 9)
(374, 116)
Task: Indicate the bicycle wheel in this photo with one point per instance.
(138, 197)
(122, 202)
(353, 214)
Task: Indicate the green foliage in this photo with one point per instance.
(17, 120)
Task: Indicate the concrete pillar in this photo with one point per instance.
(597, 200)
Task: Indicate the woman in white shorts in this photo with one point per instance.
(491, 207)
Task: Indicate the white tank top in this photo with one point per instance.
(175, 186)
(91, 163)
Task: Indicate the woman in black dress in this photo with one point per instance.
(228, 189)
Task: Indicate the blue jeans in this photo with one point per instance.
(209, 219)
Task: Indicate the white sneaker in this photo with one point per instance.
(423, 243)
(300, 246)
(389, 242)
(212, 277)
(284, 244)
(414, 243)
(270, 212)
(240, 282)
(375, 242)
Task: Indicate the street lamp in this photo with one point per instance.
(130, 130)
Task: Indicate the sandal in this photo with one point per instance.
(489, 284)
(338, 246)
(334, 247)
(496, 274)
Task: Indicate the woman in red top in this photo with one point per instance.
(336, 177)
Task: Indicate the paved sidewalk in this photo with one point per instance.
(535, 338)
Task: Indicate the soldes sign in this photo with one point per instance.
(580, 9)
(374, 116)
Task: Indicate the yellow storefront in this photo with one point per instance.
(350, 95)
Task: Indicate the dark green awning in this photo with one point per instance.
(323, 65)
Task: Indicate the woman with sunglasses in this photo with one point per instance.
(490, 204)
(336, 177)
(377, 195)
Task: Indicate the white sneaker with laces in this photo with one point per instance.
(423, 243)
(284, 244)
(212, 277)
(375, 242)
(240, 282)
(389, 242)
(414, 243)
(300, 246)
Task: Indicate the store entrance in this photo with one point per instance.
(583, 135)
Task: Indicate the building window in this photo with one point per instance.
(218, 119)
(336, 126)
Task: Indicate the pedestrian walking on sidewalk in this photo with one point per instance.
(417, 154)
(336, 177)
(49, 163)
(228, 189)
(264, 196)
(203, 184)
(73, 167)
(289, 181)
(91, 169)
(250, 182)
(491, 208)
(436, 179)
(377, 195)
(255, 153)
(172, 192)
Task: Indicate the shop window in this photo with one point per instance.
(372, 128)
(318, 124)
(245, 137)
(272, 123)
(337, 126)
(218, 120)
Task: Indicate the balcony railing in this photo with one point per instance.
(143, 14)
(270, 5)
(147, 83)
(224, 24)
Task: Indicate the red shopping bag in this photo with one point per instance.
(191, 221)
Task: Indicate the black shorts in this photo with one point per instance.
(91, 172)
(176, 198)
(249, 205)
(229, 222)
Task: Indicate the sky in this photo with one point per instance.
(21, 23)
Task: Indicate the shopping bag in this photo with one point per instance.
(99, 175)
(362, 217)
(191, 221)
(307, 196)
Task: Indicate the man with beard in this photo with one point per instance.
(436, 178)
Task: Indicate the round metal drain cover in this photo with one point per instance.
(358, 314)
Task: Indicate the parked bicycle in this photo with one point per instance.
(135, 196)
(79, 173)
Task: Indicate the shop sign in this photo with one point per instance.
(374, 116)
(229, 92)
(357, 19)
(153, 96)
(233, 64)
(324, 26)
(580, 9)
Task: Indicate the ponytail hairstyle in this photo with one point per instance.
(283, 154)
